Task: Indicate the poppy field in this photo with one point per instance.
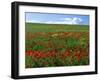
(54, 45)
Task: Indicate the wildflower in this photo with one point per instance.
(67, 53)
(30, 53)
(54, 35)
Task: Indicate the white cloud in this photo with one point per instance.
(49, 22)
(74, 20)
(32, 21)
(67, 19)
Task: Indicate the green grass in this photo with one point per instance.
(34, 27)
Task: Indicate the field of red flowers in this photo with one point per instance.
(53, 49)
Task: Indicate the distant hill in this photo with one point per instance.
(40, 27)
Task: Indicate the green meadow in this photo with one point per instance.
(33, 27)
(53, 45)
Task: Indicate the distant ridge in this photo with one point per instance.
(56, 24)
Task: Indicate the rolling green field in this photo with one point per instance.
(53, 45)
(55, 28)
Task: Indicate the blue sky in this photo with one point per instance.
(52, 18)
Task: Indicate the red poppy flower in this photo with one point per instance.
(67, 53)
(30, 53)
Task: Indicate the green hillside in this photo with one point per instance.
(34, 27)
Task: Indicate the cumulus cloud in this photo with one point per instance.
(74, 20)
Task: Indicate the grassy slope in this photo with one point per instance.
(30, 27)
